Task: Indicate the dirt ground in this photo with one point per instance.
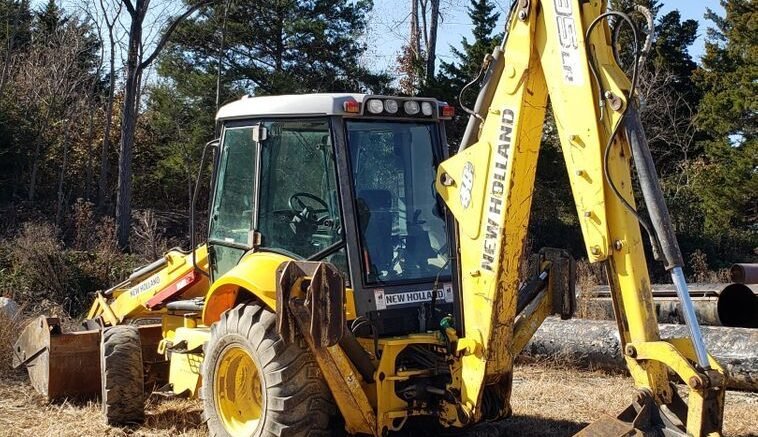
(547, 401)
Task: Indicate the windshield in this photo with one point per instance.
(402, 229)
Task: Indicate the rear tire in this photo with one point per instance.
(256, 385)
(122, 376)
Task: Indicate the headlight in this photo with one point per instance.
(375, 106)
(411, 107)
(427, 109)
(391, 106)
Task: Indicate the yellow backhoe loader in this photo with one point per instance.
(359, 278)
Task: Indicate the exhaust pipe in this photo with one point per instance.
(595, 344)
(731, 305)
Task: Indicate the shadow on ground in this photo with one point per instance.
(527, 426)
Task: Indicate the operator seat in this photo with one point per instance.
(375, 221)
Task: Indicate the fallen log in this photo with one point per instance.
(733, 305)
(595, 344)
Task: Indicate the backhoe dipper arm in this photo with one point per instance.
(488, 187)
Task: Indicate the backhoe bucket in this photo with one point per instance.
(68, 365)
(59, 365)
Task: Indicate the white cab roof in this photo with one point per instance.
(290, 105)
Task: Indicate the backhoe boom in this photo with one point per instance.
(549, 56)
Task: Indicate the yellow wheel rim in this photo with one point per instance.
(238, 392)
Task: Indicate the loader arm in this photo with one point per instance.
(488, 186)
(67, 364)
(146, 291)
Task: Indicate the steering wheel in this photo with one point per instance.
(298, 206)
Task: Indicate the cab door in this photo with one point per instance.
(230, 233)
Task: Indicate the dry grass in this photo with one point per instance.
(556, 401)
(24, 412)
(547, 401)
(8, 332)
(588, 276)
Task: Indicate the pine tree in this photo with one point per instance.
(467, 63)
(274, 47)
(728, 116)
(49, 20)
(673, 39)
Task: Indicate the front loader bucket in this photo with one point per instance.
(68, 365)
(59, 365)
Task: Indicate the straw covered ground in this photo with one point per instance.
(548, 399)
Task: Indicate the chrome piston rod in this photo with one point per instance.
(688, 311)
(664, 230)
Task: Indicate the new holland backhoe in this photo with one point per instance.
(359, 276)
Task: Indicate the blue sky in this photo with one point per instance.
(389, 26)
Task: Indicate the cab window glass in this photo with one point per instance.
(299, 208)
(231, 218)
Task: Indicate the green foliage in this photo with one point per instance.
(49, 20)
(277, 47)
(47, 78)
(15, 25)
(173, 131)
(673, 38)
(728, 184)
(466, 65)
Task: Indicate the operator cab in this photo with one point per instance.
(342, 178)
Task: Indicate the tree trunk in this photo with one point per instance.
(220, 57)
(136, 63)
(35, 168)
(90, 139)
(424, 26)
(102, 186)
(61, 179)
(37, 156)
(415, 35)
(128, 124)
(431, 49)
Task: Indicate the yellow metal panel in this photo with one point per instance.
(470, 186)
(512, 129)
(184, 374)
(256, 273)
(561, 45)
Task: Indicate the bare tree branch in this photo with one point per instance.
(190, 10)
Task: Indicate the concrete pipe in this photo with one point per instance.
(595, 344)
(732, 305)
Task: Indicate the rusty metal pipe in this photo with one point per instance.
(595, 344)
(732, 305)
(744, 273)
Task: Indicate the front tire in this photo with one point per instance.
(122, 376)
(256, 385)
